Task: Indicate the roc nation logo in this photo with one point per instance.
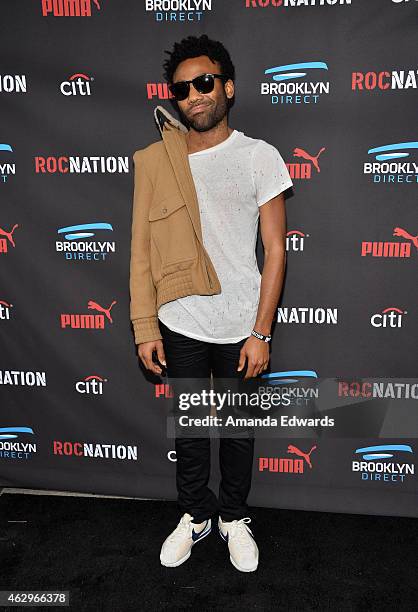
(77, 85)
(5, 310)
(285, 87)
(23, 378)
(7, 168)
(387, 168)
(384, 80)
(90, 385)
(286, 465)
(76, 247)
(22, 448)
(384, 463)
(389, 317)
(373, 388)
(6, 239)
(309, 315)
(280, 4)
(13, 83)
(68, 8)
(295, 241)
(391, 249)
(97, 451)
(87, 321)
(96, 164)
(304, 170)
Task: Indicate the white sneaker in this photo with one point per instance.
(177, 548)
(242, 546)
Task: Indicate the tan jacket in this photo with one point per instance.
(168, 259)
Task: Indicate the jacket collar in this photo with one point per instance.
(173, 133)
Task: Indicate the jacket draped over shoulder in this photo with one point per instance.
(168, 258)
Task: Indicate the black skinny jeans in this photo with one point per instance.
(190, 358)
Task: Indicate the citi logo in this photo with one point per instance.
(309, 315)
(88, 321)
(384, 80)
(295, 241)
(8, 239)
(286, 88)
(68, 8)
(77, 85)
(287, 465)
(5, 310)
(303, 170)
(389, 317)
(13, 83)
(75, 247)
(90, 385)
(6, 168)
(172, 456)
(163, 390)
(386, 170)
(391, 249)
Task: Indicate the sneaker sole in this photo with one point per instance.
(183, 559)
(241, 569)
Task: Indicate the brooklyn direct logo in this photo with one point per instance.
(20, 448)
(384, 463)
(287, 465)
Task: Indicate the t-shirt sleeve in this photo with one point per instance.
(270, 173)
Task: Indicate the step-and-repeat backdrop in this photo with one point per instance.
(333, 85)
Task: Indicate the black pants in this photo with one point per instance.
(190, 358)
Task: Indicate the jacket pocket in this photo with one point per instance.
(172, 231)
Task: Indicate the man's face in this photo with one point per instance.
(203, 111)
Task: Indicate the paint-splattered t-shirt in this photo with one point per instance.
(232, 179)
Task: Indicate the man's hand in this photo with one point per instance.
(145, 351)
(258, 355)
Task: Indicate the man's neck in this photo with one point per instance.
(199, 141)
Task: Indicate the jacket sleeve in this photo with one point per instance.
(143, 311)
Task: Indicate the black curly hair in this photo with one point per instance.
(194, 46)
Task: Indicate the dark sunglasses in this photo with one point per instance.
(204, 83)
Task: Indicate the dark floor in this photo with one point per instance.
(106, 553)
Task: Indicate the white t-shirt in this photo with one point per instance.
(232, 180)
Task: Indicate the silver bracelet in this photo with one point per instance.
(261, 336)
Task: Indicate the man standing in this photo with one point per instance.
(238, 180)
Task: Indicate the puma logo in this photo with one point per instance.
(398, 231)
(95, 306)
(294, 450)
(9, 234)
(305, 155)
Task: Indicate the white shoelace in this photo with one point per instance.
(239, 531)
(182, 528)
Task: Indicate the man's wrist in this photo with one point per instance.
(261, 336)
